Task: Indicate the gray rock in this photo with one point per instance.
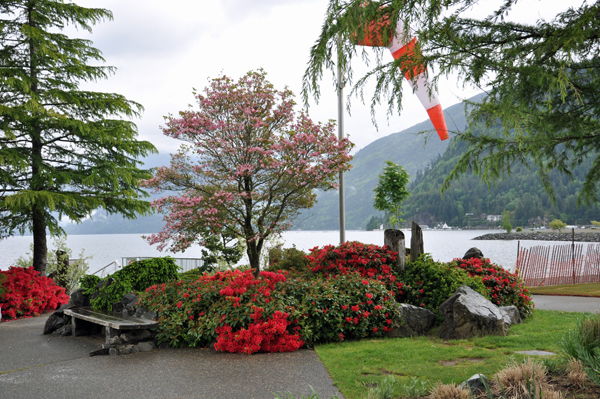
(511, 315)
(135, 336)
(118, 307)
(473, 253)
(127, 349)
(469, 314)
(100, 352)
(65, 331)
(79, 299)
(113, 352)
(476, 383)
(114, 341)
(150, 315)
(536, 353)
(59, 311)
(415, 321)
(53, 323)
(146, 346)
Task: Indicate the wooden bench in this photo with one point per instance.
(114, 324)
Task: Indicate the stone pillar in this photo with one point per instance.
(416, 242)
(394, 240)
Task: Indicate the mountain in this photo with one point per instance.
(407, 148)
(468, 202)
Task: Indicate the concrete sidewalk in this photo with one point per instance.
(567, 303)
(33, 365)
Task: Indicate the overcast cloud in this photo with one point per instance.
(163, 50)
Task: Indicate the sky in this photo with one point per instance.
(163, 50)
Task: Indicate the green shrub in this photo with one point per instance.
(583, 343)
(342, 307)
(89, 283)
(145, 273)
(137, 276)
(428, 283)
(290, 259)
(519, 229)
(192, 275)
(111, 293)
(68, 277)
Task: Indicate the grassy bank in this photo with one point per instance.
(417, 362)
(591, 290)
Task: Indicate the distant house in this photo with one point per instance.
(493, 218)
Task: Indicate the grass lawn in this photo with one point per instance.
(590, 289)
(358, 365)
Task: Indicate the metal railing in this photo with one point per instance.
(185, 264)
(114, 266)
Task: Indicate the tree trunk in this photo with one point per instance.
(394, 240)
(40, 248)
(416, 242)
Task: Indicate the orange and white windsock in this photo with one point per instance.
(400, 45)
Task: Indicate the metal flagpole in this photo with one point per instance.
(341, 136)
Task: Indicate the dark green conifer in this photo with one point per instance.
(64, 151)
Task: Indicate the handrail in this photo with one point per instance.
(116, 264)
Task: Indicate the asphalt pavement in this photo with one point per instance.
(567, 303)
(33, 365)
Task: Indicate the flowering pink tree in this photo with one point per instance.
(248, 165)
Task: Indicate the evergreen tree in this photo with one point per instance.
(391, 191)
(63, 151)
(542, 79)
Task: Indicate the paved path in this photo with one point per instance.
(567, 303)
(36, 366)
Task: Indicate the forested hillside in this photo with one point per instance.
(411, 150)
(465, 202)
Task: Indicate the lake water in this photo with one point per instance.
(105, 248)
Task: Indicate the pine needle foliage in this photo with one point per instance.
(542, 79)
(64, 151)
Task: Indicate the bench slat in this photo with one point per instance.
(109, 320)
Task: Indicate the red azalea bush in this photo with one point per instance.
(337, 307)
(28, 294)
(370, 261)
(504, 288)
(239, 311)
(270, 313)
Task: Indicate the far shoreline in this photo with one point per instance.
(586, 235)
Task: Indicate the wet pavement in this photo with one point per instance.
(33, 365)
(567, 303)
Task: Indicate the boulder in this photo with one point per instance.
(469, 314)
(415, 321)
(146, 346)
(53, 323)
(135, 336)
(79, 299)
(511, 315)
(149, 315)
(66, 330)
(477, 383)
(473, 253)
(59, 311)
